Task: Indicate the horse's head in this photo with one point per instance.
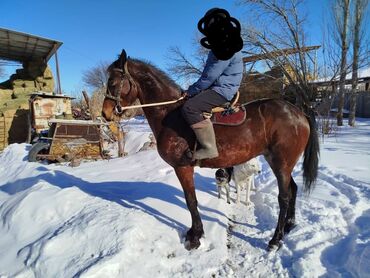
(121, 89)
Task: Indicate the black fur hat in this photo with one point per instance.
(222, 33)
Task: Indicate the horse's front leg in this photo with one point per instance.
(290, 217)
(186, 178)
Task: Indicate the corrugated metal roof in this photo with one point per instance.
(21, 47)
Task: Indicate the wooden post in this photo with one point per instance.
(121, 143)
(58, 75)
(87, 100)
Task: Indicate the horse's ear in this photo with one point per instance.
(122, 58)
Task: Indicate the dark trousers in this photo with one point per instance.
(194, 107)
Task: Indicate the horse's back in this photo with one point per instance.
(276, 113)
(283, 126)
(278, 105)
(270, 124)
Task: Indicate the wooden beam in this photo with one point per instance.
(58, 75)
(277, 53)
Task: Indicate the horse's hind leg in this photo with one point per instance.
(290, 217)
(185, 176)
(283, 178)
(283, 199)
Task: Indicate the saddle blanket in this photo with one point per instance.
(230, 118)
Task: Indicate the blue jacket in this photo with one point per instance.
(224, 77)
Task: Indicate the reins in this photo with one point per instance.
(124, 72)
(216, 109)
(153, 104)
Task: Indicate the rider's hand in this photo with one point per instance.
(184, 94)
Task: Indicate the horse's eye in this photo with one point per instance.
(110, 82)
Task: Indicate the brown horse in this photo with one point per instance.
(274, 128)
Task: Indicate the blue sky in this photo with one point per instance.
(97, 30)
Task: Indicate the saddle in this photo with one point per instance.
(229, 114)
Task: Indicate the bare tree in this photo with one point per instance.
(275, 25)
(331, 52)
(360, 7)
(181, 66)
(186, 67)
(341, 11)
(329, 71)
(96, 77)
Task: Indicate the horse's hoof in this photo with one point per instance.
(192, 239)
(273, 247)
(192, 244)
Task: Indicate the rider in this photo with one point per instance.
(220, 79)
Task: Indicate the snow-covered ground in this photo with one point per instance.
(126, 217)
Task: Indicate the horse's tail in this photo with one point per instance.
(311, 154)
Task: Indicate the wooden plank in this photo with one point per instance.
(77, 122)
(277, 53)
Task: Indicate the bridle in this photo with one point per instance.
(124, 74)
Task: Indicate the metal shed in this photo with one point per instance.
(17, 46)
(22, 47)
(14, 93)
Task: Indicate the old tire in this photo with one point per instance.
(38, 148)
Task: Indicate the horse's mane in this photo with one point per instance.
(146, 64)
(160, 74)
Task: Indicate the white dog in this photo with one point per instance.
(243, 177)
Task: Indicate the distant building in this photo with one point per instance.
(326, 93)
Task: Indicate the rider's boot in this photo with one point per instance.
(206, 137)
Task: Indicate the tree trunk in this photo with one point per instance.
(353, 99)
(360, 6)
(121, 142)
(343, 64)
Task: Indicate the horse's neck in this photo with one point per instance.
(153, 90)
(155, 116)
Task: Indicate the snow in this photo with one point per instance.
(126, 217)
